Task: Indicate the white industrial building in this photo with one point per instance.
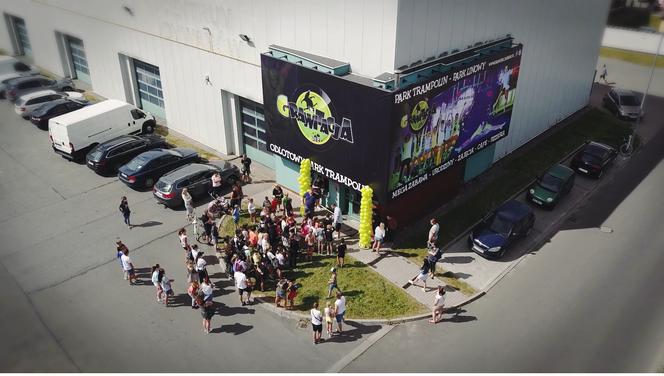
(196, 63)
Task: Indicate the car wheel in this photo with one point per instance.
(148, 127)
(149, 182)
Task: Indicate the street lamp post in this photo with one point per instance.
(643, 100)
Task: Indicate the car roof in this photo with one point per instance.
(185, 171)
(620, 91)
(49, 105)
(36, 94)
(513, 210)
(118, 141)
(180, 152)
(20, 80)
(592, 145)
(560, 171)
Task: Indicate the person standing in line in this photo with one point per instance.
(246, 169)
(292, 294)
(329, 313)
(379, 236)
(280, 292)
(341, 253)
(192, 291)
(118, 254)
(188, 204)
(166, 286)
(124, 209)
(433, 233)
(434, 255)
(251, 209)
(328, 239)
(340, 311)
(332, 283)
(316, 323)
(337, 219)
(128, 266)
(155, 282)
(287, 204)
(236, 216)
(278, 194)
(206, 289)
(293, 249)
(603, 75)
(207, 312)
(216, 184)
(184, 241)
(241, 285)
(438, 306)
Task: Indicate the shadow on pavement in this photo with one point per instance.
(609, 196)
(457, 259)
(235, 329)
(350, 335)
(148, 224)
(458, 316)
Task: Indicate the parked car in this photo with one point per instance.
(146, 168)
(5, 79)
(42, 114)
(623, 103)
(29, 102)
(74, 134)
(10, 64)
(24, 85)
(512, 221)
(593, 159)
(108, 156)
(196, 177)
(555, 184)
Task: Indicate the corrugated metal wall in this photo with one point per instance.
(561, 41)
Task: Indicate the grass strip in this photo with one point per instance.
(640, 58)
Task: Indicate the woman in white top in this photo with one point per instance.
(317, 323)
(379, 236)
(188, 203)
(438, 305)
(166, 286)
(184, 242)
(156, 282)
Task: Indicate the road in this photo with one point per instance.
(588, 301)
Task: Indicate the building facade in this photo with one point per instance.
(196, 64)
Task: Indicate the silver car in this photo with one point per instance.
(623, 103)
(31, 101)
(24, 85)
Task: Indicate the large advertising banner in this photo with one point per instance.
(340, 125)
(443, 121)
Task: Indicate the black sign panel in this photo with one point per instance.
(340, 125)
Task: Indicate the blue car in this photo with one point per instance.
(146, 168)
(513, 220)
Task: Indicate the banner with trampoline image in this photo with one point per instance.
(452, 116)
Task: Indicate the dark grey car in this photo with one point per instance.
(196, 177)
(24, 85)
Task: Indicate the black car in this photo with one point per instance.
(196, 177)
(108, 156)
(593, 159)
(149, 166)
(513, 220)
(40, 116)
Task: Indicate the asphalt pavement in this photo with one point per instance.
(66, 307)
(587, 301)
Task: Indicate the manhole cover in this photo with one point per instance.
(606, 230)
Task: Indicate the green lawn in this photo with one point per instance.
(593, 124)
(368, 294)
(630, 57)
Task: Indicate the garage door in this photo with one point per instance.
(22, 36)
(253, 133)
(149, 88)
(79, 60)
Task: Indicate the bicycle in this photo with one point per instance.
(627, 148)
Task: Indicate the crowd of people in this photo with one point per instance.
(261, 254)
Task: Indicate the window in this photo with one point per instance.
(78, 57)
(137, 114)
(253, 125)
(21, 35)
(149, 83)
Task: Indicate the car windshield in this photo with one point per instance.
(500, 225)
(628, 100)
(137, 163)
(95, 154)
(163, 186)
(550, 183)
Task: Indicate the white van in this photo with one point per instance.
(75, 133)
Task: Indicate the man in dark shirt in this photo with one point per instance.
(246, 168)
(293, 249)
(309, 203)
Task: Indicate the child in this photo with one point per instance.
(422, 276)
(310, 240)
(332, 283)
(281, 292)
(292, 294)
(236, 216)
(341, 253)
(329, 312)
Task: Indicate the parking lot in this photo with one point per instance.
(66, 306)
